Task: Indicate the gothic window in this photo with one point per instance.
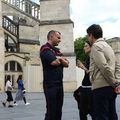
(13, 66)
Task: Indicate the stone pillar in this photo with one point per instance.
(1, 51)
(55, 15)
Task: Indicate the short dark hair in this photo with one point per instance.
(95, 30)
(51, 32)
(8, 77)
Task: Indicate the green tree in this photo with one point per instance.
(78, 45)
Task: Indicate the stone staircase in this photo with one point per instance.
(11, 31)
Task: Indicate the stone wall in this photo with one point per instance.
(67, 43)
(54, 10)
(33, 78)
(0, 14)
(32, 72)
(29, 32)
(34, 52)
(115, 44)
(1, 52)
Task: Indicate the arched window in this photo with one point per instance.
(13, 66)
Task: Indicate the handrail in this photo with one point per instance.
(7, 44)
(10, 26)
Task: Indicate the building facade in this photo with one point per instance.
(115, 44)
(23, 29)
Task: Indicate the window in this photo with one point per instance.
(6, 67)
(13, 66)
(19, 67)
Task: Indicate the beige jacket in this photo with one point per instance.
(103, 65)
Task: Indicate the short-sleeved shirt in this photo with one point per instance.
(51, 74)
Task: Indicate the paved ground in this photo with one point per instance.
(36, 110)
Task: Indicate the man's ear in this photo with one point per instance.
(92, 37)
(51, 36)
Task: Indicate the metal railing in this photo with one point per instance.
(27, 6)
(10, 26)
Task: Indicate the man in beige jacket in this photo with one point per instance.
(103, 75)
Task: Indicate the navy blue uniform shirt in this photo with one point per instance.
(52, 75)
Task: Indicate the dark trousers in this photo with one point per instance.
(9, 96)
(86, 104)
(54, 102)
(104, 100)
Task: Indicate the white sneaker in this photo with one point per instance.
(15, 104)
(27, 103)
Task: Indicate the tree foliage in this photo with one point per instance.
(78, 45)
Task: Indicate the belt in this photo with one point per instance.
(86, 86)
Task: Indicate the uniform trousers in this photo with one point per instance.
(54, 101)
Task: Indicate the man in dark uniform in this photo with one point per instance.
(53, 64)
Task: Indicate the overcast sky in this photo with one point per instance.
(103, 12)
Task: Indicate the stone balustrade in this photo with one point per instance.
(10, 26)
(29, 7)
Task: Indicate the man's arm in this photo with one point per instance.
(56, 62)
(102, 64)
(51, 59)
(64, 62)
(110, 77)
(59, 61)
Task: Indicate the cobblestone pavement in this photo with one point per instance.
(36, 109)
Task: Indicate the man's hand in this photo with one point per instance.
(117, 89)
(64, 61)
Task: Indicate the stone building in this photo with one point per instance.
(24, 26)
(115, 44)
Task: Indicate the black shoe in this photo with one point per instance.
(4, 104)
(10, 105)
